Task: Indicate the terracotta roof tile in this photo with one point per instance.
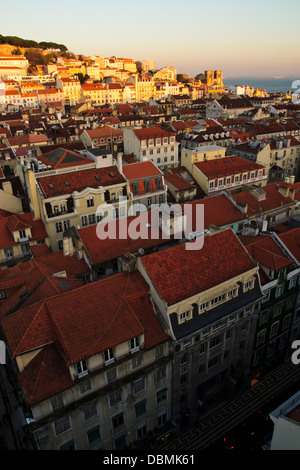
(79, 180)
(178, 273)
(45, 376)
(139, 170)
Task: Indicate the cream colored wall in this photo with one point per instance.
(79, 426)
(10, 203)
(80, 209)
(189, 157)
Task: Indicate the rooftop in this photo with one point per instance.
(59, 184)
(178, 273)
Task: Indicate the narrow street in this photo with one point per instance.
(212, 426)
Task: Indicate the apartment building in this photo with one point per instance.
(103, 136)
(71, 88)
(280, 151)
(146, 185)
(152, 143)
(229, 173)
(73, 193)
(189, 156)
(279, 271)
(209, 308)
(99, 381)
(18, 233)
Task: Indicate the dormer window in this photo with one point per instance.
(22, 234)
(109, 355)
(82, 368)
(134, 344)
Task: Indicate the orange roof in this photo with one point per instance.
(273, 199)
(18, 222)
(178, 273)
(141, 170)
(152, 133)
(267, 253)
(68, 332)
(227, 166)
(291, 239)
(66, 183)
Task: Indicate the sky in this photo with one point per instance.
(259, 38)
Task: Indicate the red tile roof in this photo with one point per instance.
(152, 133)
(79, 180)
(291, 240)
(18, 222)
(45, 376)
(81, 332)
(274, 199)
(178, 273)
(267, 253)
(219, 210)
(68, 332)
(100, 251)
(63, 158)
(226, 166)
(178, 182)
(139, 170)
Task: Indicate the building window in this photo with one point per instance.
(147, 186)
(215, 342)
(84, 221)
(135, 189)
(159, 351)
(185, 316)
(66, 225)
(139, 385)
(115, 397)
(94, 435)
(85, 386)
(161, 417)
(118, 421)
(56, 402)
(89, 410)
(136, 361)
(141, 430)
(274, 329)
(134, 344)
(58, 227)
(292, 282)
(161, 396)
(62, 425)
(81, 368)
(22, 234)
(140, 408)
(214, 361)
(120, 443)
(261, 337)
(92, 219)
(204, 306)
(109, 355)
(248, 285)
(160, 373)
(278, 291)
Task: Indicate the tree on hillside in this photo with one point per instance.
(139, 66)
(16, 51)
(34, 57)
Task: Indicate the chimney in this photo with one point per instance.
(119, 163)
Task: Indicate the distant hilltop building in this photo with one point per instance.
(149, 65)
(211, 77)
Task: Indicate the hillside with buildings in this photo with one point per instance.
(149, 247)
